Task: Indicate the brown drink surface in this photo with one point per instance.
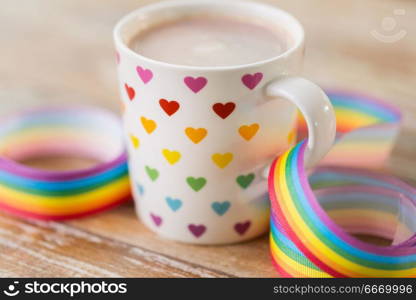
(210, 41)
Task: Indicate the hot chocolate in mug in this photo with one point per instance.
(200, 137)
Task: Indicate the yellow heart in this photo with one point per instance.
(135, 141)
(196, 134)
(148, 125)
(248, 131)
(171, 156)
(222, 160)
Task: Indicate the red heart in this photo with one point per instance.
(130, 91)
(170, 107)
(223, 110)
(241, 228)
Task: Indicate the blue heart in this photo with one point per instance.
(140, 189)
(174, 204)
(221, 207)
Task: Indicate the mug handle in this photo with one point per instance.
(316, 109)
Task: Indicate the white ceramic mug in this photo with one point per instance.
(200, 138)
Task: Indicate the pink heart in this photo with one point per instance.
(117, 57)
(197, 230)
(145, 74)
(241, 228)
(195, 84)
(156, 219)
(252, 80)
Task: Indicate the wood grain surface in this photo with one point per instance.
(61, 51)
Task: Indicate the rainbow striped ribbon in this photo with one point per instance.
(58, 195)
(316, 215)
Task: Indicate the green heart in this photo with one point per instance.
(196, 183)
(245, 180)
(153, 173)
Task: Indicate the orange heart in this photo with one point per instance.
(196, 134)
(148, 125)
(248, 131)
(222, 160)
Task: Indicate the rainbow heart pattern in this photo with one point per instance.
(171, 156)
(134, 141)
(145, 74)
(156, 219)
(196, 183)
(247, 132)
(131, 93)
(252, 80)
(148, 125)
(197, 230)
(195, 84)
(140, 189)
(244, 181)
(195, 136)
(220, 208)
(169, 107)
(223, 110)
(241, 228)
(174, 204)
(222, 160)
(152, 173)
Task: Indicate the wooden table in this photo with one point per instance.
(61, 51)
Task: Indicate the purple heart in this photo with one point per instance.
(197, 230)
(156, 219)
(195, 84)
(241, 228)
(145, 74)
(252, 80)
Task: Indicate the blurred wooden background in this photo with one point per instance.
(61, 51)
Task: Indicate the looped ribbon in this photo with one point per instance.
(62, 131)
(316, 215)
